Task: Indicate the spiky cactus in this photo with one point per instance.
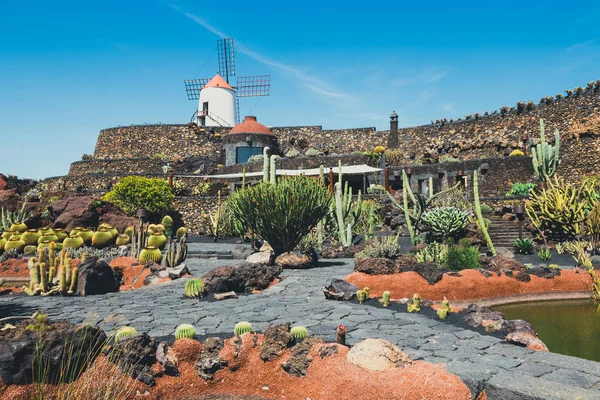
(266, 152)
(194, 288)
(176, 254)
(273, 168)
(167, 222)
(385, 300)
(241, 328)
(185, 331)
(361, 296)
(125, 332)
(299, 332)
(545, 157)
(480, 221)
(50, 274)
(415, 304)
(445, 310)
(346, 213)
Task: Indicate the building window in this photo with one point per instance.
(205, 108)
(244, 153)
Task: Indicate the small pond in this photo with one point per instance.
(569, 327)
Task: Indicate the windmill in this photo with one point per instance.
(218, 100)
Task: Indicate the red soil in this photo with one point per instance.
(133, 273)
(14, 267)
(471, 285)
(328, 378)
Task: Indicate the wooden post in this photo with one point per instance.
(171, 180)
(331, 179)
(387, 179)
(365, 183)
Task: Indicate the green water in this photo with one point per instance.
(569, 327)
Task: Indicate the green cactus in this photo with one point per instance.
(102, 238)
(445, 310)
(346, 213)
(49, 238)
(150, 253)
(7, 218)
(167, 222)
(14, 243)
(45, 231)
(367, 291)
(446, 221)
(129, 231)
(152, 228)
(185, 331)
(125, 332)
(273, 168)
(299, 332)
(157, 240)
(181, 232)
(176, 253)
(242, 328)
(545, 157)
(361, 296)
(2, 243)
(29, 250)
(74, 242)
(385, 300)
(18, 226)
(415, 304)
(160, 228)
(194, 288)
(113, 231)
(86, 235)
(122, 240)
(480, 221)
(266, 151)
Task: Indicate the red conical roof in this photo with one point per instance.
(217, 81)
(249, 125)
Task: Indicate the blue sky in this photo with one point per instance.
(71, 68)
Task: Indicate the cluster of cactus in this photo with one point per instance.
(8, 218)
(385, 299)
(523, 246)
(562, 207)
(185, 331)
(299, 332)
(51, 274)
(544, 254)
(545, 157)
(386, 247)
(213, 220)
(434, 253)
(415, 304)
(176, 252)
(242, 328)
(194, 288)
(346, 211)
(446, 221)
(444, 310)
(363, 295)
(480, 221)
(420, 204)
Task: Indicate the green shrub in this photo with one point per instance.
(135, 192)
(446, 221)
(387, 247)
(544, 254)
(282, 213)
(201, 189)
(520, 189)
(462, 257)
(523, 246)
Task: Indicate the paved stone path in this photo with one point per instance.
(505, 371)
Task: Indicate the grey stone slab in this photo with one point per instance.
(567, 362)
(472, 374)
(518, 386)
(466, 334)
(536, 369)
(574, 378)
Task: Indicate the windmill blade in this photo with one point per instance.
(226, 58)
(193, 87)
(251, 86)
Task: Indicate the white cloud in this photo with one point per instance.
(448, 107)
(578, 45)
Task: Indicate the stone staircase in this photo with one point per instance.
(504, 233)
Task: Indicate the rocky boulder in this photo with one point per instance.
(135, 356)
(297, 260)
(277, 339)
(377, 355)
(167, 359)
(428, 271)
(210, 359)
(300, 359)
(19, 349)
(376, 266)
(340, 290)
(240, 278)
(260, 258)
(96, 277)
(73, 211)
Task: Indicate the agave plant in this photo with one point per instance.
(523, 246)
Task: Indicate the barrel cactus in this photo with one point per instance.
(157, 240)
(45, 244)
(61, 234)
(2, 243)
(150, 253)
(181, 232)
(167, 222)
(113, 231)
(102, 238)
(129, 231)
(241, 328)
(18, 226)
(74, 242)
(8, 234)
(160, 228)
(125, 332)
(122, 240)
(30, 236)
(86, 235)
(14, 243)
(152, 228)
(194, 288)
(299, 332)
(185, 331)
(50, 238)
(46, 231)
(29, 250)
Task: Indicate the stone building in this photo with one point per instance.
(247, 139)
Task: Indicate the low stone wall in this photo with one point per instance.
(191, 209)
(332, 141)
(114, 166)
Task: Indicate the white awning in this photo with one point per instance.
(346, 170)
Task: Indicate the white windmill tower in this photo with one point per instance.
(218, 101)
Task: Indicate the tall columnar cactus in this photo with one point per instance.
(273, 167)
(176, 252)
(346, 213)
(44, 270)
(167, 222)
(7, 218)
(266, 152)
(405, 191)
(480, 220)
(545, 157)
